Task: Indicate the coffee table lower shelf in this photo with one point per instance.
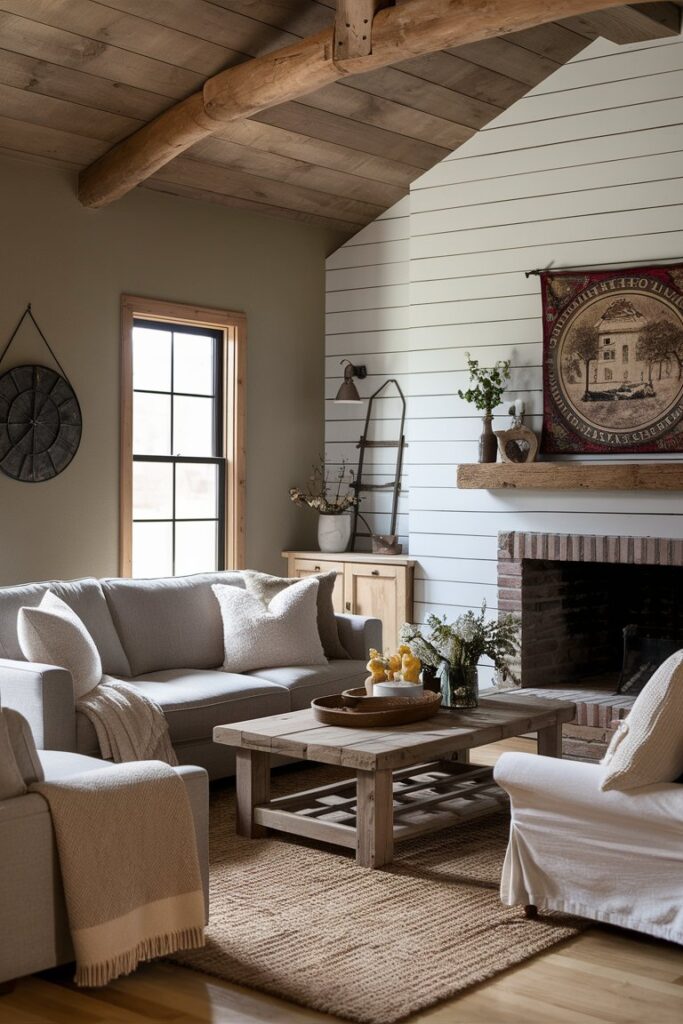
(372, 811)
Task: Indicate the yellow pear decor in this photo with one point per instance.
(387, 668)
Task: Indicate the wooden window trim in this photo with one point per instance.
(234, 327)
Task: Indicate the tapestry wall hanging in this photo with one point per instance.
(613, 361)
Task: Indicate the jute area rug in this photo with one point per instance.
(300, 921)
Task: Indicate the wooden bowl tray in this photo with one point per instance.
(361, 700)
(374, 712)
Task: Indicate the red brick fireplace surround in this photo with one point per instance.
(573, 595)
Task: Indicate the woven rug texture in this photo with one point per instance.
(300, 921)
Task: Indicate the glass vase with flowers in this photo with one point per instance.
(453, 651)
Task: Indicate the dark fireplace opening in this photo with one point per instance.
(590, 621)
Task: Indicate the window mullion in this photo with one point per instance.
(173, 518)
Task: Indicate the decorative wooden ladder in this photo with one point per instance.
(391, 485)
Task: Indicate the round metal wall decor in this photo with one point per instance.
(40, 423)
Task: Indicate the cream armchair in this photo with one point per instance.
(614, 856)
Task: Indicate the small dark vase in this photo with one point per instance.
(459, 685)
(430, 679)
(488, 442)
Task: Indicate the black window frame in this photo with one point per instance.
(220, 461)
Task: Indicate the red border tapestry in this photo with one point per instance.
(613, 361)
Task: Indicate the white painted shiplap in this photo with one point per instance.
(584, 171)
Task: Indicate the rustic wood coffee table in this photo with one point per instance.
(409, 780)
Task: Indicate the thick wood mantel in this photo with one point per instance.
(571, 476)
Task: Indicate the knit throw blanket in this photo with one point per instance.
(129, 726)
(128, 856)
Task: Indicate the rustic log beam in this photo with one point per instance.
(635, 23)
(353, 27)
(411, 29)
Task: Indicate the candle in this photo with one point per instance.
(398, 688)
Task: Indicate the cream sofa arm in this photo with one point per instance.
(358, 634)
(44, 694)
(549, 786)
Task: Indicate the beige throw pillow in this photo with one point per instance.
(648, 745)
(266, 587)
(54, 635)
(283, 633)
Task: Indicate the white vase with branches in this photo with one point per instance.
(329, 495)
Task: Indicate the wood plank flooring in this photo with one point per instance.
(604, 976)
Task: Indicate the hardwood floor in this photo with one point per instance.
(604, 976)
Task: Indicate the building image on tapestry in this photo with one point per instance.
(613, 361)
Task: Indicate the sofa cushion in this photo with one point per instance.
(86, 598)
(168, 623)
(194, 701)
(59, 764)
(266, 587)
(305, 682)
(283, 633)
(52, 634)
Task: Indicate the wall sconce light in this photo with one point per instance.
(348, 392)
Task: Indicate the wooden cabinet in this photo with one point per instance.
(373, 585)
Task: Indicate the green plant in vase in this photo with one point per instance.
(487, 385)
(454, 649)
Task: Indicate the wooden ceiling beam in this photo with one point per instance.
(413, 28)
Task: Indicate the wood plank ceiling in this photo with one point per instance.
(77, 76)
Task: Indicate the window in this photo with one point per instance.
(182, 451)
(624, 353)
(608, 375)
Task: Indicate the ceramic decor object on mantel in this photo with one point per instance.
(488, 444)
(518, 443)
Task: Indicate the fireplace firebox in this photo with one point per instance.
(596, 616)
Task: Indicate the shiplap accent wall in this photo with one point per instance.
(584, 171)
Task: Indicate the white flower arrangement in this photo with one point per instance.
(465, 641)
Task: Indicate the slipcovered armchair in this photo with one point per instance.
(609, 856)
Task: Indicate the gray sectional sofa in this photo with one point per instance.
(166, 637)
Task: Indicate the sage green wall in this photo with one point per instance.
(73, 265)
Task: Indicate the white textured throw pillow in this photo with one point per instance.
(285, 632)
(54, 635)
(648, 745)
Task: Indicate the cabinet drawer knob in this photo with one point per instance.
(375, 572)
(316, 568)
(348, 606)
